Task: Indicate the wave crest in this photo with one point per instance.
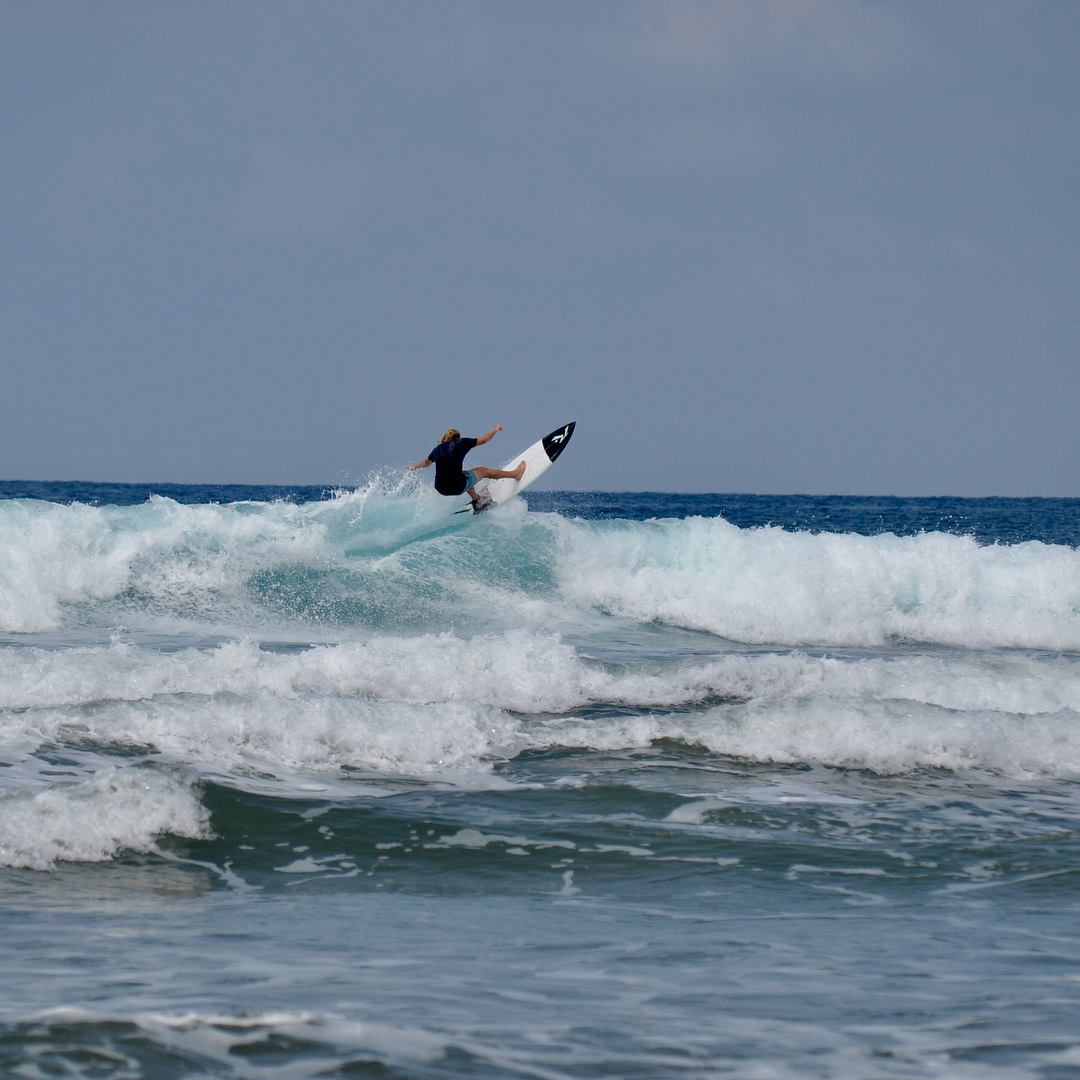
(117, 810)
(383, 560)
(768, 585)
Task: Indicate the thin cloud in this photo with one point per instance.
(842, 39)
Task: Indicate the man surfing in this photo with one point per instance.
(451, 476)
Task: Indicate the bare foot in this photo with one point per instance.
(519, 471)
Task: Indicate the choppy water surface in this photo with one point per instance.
(295, 785)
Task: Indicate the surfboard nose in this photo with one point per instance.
(555, 443)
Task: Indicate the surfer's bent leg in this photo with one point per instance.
(484, 473)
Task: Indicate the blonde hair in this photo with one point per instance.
(450, 434)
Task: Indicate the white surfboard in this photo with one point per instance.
(538, 459)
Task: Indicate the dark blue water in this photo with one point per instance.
(989, 520)
(299, 783)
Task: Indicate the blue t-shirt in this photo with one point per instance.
(448, 458)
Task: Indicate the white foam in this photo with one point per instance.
(262, 734)
(474, 838)
(302, 866)
(92, 821)
(884, 737)
(170, 554)
(888, 737)
(526, 673)
(768, 585)
(441, 706)
(219, 1035)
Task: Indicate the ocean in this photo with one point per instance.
(300, 783)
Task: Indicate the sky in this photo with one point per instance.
(772, 246)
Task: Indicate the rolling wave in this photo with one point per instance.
(373, 561)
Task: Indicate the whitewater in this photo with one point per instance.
(309, 783)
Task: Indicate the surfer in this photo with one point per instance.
(451, 476)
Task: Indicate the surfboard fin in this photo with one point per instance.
(482, 504)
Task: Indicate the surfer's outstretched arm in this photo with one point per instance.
(489, 436)
(420, 464)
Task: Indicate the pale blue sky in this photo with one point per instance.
(827, 247)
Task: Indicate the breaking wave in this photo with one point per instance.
(373, 561)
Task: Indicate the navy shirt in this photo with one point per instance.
(448, 458)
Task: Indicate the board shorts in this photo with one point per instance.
(470, 479)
